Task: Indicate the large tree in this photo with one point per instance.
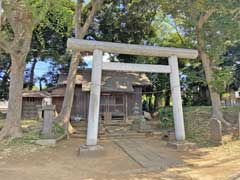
(81, 29)
(210, 24)
(18, 21)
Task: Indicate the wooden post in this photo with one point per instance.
(93, 114)
(176, 98)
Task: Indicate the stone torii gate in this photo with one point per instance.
(98, 48)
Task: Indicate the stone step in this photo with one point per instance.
(79, 124)
(119, 136)
(80, 128)
(81, 136)
(122, 124)
(85, 132)
(80, 131)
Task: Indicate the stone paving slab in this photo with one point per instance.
(147, 157)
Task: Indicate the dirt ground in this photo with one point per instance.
(62, 163)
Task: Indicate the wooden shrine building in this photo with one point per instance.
(121, 92)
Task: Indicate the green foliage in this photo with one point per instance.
(197, 121)
(166, 117)
(50, 36)
(4, 75)
(52, 23)
(125, 21)
(58, 129)
(38, 10)
(231, 59)
(222, 79)
(218, 32)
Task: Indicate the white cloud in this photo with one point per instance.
(88, 59)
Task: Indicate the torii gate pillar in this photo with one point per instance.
(176, 98)
(94, 103)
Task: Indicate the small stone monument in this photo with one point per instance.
(136, 110)
(48, 116)
(216, 131)
(139, 124)
(47, 101)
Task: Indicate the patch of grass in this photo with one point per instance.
(166, 118)
(58, 130)
(1, 123)
(197, 121)
(31, 132)
(197, 124)
(24, 145)
(230, 113)
(2, 118)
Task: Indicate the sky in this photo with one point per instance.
(44, 67)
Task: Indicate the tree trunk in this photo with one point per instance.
(80, 32)
(167, 98)
(31, 80)
(65, 113)
(150, 104)
(215, 96)
(12, 127)
(208, 67)
(40, 85)
(157, 102)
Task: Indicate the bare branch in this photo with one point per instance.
(236, 13)
(95, 5)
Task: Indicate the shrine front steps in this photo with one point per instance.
(107, 136)
(117, 130)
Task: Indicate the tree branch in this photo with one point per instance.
(78, 18)
(84, 29)
(203, 19)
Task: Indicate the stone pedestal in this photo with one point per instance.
(90, 150)
(216, 132)
(181, 145)
(171, 136)
(48, 121)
